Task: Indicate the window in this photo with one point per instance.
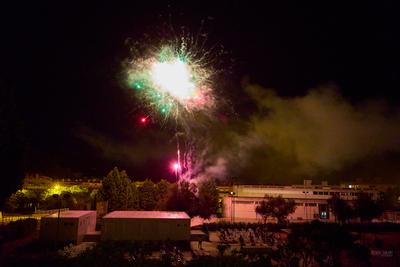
(323, 215)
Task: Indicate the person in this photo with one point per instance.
(253, 243)
(200, 245)
(241, 241)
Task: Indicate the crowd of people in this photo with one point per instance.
(249, 237)
(173, 256)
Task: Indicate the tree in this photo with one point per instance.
(276, 207)
(119, 191)
(147, 195)
(81, 200)
(390, 199)
(366, 208)
(22, 201)
(341, 209)
(182, 197)
(264, 209)
(162, 189)
(16, 202)
(208, 198)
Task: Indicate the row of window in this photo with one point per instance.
(306, 204)
(258, 202)
(338, 193)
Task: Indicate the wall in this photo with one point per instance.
(145, 229)
(67, 228)
(242, 209)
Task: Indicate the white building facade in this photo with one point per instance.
(311, 200)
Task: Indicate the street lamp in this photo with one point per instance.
(232, 193)
(58, 199)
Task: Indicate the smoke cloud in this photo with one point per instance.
(128, 152)
(316, 135)
(320, 136)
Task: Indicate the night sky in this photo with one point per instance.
(63, 64)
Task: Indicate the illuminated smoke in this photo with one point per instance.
(288, 139)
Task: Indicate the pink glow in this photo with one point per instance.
(143, 120)
(175, 166)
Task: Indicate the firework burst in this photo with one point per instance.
(172, 80)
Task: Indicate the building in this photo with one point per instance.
(70, 225)
(146, 225)
(311, 200)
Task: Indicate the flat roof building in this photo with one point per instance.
(69, 225)
(311, 200)
(146, 225)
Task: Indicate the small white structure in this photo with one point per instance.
(71, 225)
(146, 225)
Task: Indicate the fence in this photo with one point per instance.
(50, 211)
(6, 218)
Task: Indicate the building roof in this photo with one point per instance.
(147, 214)
(71, 214)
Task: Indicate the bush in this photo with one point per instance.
(111, 253)
(18, 229)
